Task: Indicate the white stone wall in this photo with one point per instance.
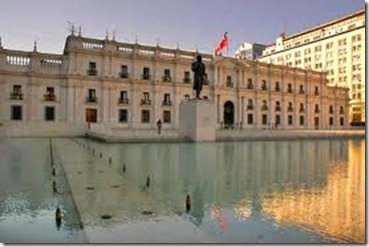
(71, 84)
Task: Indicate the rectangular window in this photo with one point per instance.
(264, 119)
(166, 117)
(250, 118)
(290, 120)
(277, 119)
(341, 121)
(145, 116)
(330, 121)
(302, 120)
(187, 78)
(49, 113)
(123, 115)
(123, 95)
(146, 73)
(16, 111)
(123, 71)
(92, 69)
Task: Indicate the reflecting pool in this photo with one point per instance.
(310, 191)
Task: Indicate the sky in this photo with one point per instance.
(190, 23)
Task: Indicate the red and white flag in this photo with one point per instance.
(223, 43)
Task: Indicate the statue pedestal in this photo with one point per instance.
(197, 120)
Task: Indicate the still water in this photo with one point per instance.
(310, 191)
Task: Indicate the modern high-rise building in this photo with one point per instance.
(250, 51)
(336, 47)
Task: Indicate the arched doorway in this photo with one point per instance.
(228, 116)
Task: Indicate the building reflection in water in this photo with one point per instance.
(316, 185)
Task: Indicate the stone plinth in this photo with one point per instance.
(197, 120)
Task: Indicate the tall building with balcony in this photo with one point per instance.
(336, 48)
(102, 82)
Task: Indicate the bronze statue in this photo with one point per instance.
(199, 73)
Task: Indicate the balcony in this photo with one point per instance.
(289, 90)
(250, 86)
(146, 77)
(341, 111)
(277, 89)
(290, 109)
(18, 96)
(91, 99)
(123, 75)
(229, 83)
(316, 92)
(49, 97)
(330, 111)
(92, 72)
(317, 110)
(302, 110)
(167, 78)
(145, 102)
(277, 108)
(167, 103)
(250, 107)
(264, 108)
(123, 101)
(263, 87)
(186, 80)
(301, 91)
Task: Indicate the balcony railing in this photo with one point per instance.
(229, 83)
(123, 75)
(330, 111)
(92, 72)
(341, 111)
(250, 107)
(91, 99)
(264, 108)
(277, 108)
(186, 80)
(317, 111)
(167, 78)
(250, 86)
(123, 101)
(49, 97)
(146, 77)
(301, 91)
(18, 96)
(302, 110)
(316, 92)
(290, 109)
(263, 87)
(167, 102)
(277, 89)
(145, 102)
(289, 90)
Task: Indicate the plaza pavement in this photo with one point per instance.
(99, 190)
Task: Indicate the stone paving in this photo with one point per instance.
(136, 217)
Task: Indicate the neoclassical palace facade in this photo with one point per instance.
(129, 85)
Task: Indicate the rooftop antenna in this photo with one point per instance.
(80, 31)
(34, 46)
(107, 34)
(136, 38)
(113, 34)
(71, 27)
(157, 41)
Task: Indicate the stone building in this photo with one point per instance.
(130, 86)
